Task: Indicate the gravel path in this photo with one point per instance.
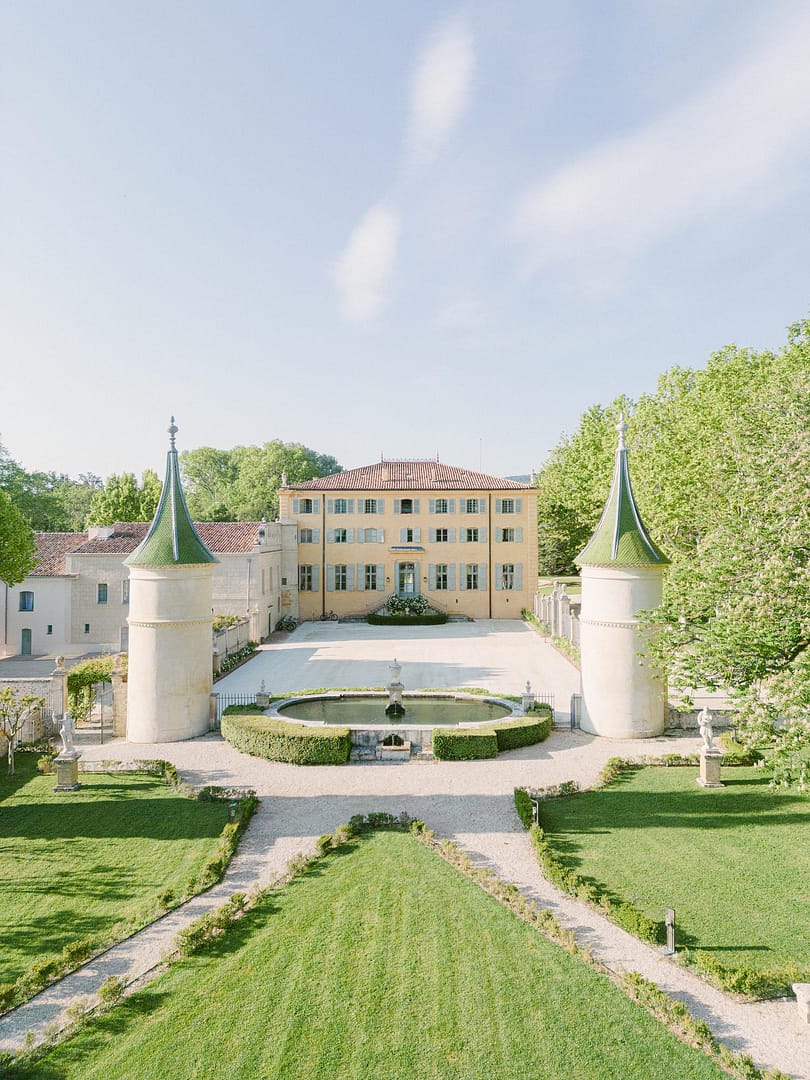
(469, 802)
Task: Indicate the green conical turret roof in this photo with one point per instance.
(172, 539)
(621, 538)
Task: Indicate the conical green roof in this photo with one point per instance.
(172, 539)
(621, 538)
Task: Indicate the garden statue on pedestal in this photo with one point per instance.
(710, 755)
(67, 760)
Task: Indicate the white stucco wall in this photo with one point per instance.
(621, 697)
(170, 674)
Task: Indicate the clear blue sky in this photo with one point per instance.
(385, 226)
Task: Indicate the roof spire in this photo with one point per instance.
(620, 538)
(171, 538)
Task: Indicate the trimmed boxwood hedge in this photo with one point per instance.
(464, 744)
(522, 731)
(278, 740)
(406, 620)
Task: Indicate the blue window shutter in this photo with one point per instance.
(462, 536)
(482, 535)
(397, 506)
(482, 506)
(350, 577)
(498, 505)
(417, 536)
(416, 506)
(431, 506)
(361, 535)
(380, 506)
(498, 573)
(498, 535)
(462, 506)
(519, 576)
(380, 577)
(330, 536)
(462, 575)
(316, 536)
(451, 576)
(482, 576)
(518, 505)
(432, 535)
(350, 506)
(519, 535)
(330, 578)
(402, 535)
(431, 576)
(361, 577)
(361, 506)
(380, 536)
(295, 506)
(452, 535)
(451, 506)
(330, 506)
(350, 536)
(316, 506)
(315, 578)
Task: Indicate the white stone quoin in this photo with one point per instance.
(622, 575)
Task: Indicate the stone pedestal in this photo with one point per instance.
(802, 992)
(67, 770)
(710, 761)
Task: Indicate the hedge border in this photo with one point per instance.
(464, 744)
(406, 620)
(284, 741)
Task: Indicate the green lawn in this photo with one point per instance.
(380, 963)
(76, 864)
(734, 862)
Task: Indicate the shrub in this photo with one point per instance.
(234, 659)
(406, 620)
(523, 731)
(251, 707)
(462, 744)
(523, 805)
(111, 991)
(278, 740)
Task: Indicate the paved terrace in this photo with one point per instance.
(469, 802)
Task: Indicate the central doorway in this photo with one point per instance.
(407, 579)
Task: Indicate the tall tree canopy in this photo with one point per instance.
(720, 463)
(123, 499)
(242, 484)
(49, 501)
(17, 547)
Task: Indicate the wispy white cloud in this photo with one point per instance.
(727, 146)
(440, 88)
(363, 271)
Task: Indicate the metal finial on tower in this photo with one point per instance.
(621, 427)
(173, 429)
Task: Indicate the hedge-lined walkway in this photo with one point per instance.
(472, 803)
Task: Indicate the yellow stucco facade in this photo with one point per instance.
(464, 540)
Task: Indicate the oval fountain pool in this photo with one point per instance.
(352, 710)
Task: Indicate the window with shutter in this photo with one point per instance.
(380, 577)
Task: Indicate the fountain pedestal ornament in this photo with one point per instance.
(395, 688)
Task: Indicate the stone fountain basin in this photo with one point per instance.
(368, 735)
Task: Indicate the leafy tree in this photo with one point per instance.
(242, 484)
(122, 499)
(14, 711)
(720, 461)
(17, 546)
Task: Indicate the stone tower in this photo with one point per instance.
(622, 575)
(170, 670)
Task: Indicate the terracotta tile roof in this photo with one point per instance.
(51, 550)
(222, 537)
(410, 476)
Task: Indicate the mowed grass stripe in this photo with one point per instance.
(77, 864)
(734, 862)
(381, 963)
